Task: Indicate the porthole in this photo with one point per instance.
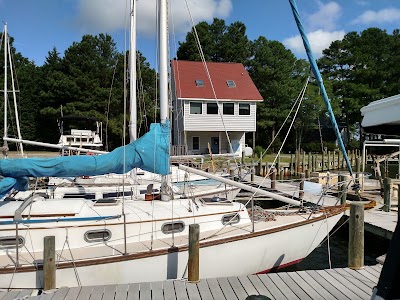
(173, 227)
(10, 242)
(100, 235)
(230, 219)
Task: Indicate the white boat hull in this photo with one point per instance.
(242, 255)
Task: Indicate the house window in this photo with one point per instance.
(244, 109)
(173, 227)
(101, 235)
(196, 108)
(228, 109)
(212, 108)
(199, 82)
(231, 83)
(196, 143)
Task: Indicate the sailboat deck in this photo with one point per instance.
(338, 283)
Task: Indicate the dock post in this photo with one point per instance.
(49, 263)
(329, 160)
(356, 236)
(273, 178)
(323, 161)
(193, 262)
(301, 189)
(386, 193)
(252, 171)
(314, 163)
(333, 160)
(260, 166)
(358, 169)
(309, 165)
(291, 165)
(343, 188)
(303, 161)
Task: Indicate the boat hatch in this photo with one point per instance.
(117, 194)
(216, 200)
(87, 196)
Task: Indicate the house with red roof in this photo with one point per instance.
(214, 106)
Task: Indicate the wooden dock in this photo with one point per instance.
(330, 284)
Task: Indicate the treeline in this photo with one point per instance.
(89, 80)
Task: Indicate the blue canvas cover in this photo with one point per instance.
(150, 152)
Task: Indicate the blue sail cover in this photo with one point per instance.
(150, 152)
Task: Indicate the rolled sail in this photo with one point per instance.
(150, 152)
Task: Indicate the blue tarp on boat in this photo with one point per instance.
(150, 152)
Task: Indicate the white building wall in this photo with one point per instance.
(205, 122)
(237, 140)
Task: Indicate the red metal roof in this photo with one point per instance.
(187, 72)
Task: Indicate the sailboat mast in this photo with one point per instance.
(163, 60)
(5, 80)
(318, 77)
(163, 70)
(132, 73)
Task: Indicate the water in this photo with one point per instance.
(374, 246)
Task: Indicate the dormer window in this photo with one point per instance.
(231, 83)
(199, 82)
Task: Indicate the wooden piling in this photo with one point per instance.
(193, 261)
(301, 188)
(387, 193)
(356, 236)
(333, 160)
(260, 166)
(291, 165)
(252, 171)
(314, 163)
(49, 263)
(329, 160)
(309, 165)
(343, 188)
(323, 161)
(358, 169)
(273, 178)
(303, 160)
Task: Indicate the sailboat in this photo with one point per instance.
(130, 240)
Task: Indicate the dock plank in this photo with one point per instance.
(157, 291)
(180, 290)
(215, 289)
(85, 292)
(356, 280)
(145, 290)
(60, 294)
(293, 286)
(259, 286)
(133, 292)
(247, 285)
(237, 287)
(311, 287)
(327, 285)
(73, 293)
(121, 292)
(344, 288)
(11, 295)
(204, 290)
(169, 290)
(109, 292)
(352, 284)
(227, 288)
(372, 271)
(283, 287)
(275, 292)
(97, 292)
(193, 291)
(367, 281)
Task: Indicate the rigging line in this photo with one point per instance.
(300, 98)
(318, 78)
(209, 78)
(109, 102)
(329, 246)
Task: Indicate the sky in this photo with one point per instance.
(39, 26)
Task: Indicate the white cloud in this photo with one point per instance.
(326, 17)
(110, 15)
(387, 15)
(318, 39)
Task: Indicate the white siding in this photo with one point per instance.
(215, 123)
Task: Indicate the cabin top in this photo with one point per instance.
(230, 80)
